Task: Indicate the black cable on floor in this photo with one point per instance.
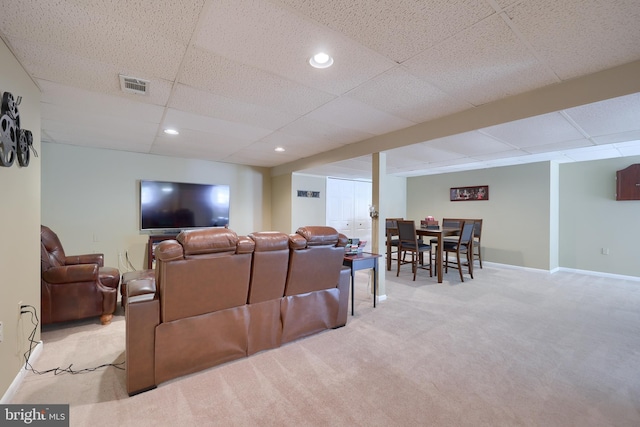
(56, 371)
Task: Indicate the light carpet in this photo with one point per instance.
(512, 347)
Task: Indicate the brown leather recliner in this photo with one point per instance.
(74, 287)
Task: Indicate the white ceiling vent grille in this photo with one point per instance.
(134, 85)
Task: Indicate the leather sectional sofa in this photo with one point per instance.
(217, 297)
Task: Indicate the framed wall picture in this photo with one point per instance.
(461, 194)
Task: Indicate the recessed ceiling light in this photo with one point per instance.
(171, 132)
(321, 60)
(279, 149)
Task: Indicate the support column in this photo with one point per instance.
(378, 240)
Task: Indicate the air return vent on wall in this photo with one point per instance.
(134, 85)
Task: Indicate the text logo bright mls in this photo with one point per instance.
(36, 415)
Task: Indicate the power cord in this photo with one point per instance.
(24, 309)
(129, 265)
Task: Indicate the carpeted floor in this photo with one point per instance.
(512, 347)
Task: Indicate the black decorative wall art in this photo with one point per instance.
(14, 141)
(479, 192)
(307, 193)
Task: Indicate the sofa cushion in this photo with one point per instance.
(208, 240)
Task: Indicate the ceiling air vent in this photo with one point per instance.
(134, 85)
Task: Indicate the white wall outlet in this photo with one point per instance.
(1, 332)
(605, 251)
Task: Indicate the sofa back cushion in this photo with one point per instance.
(269, 266)
(315, 260)
(203, 271)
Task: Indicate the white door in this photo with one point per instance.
(348, 208)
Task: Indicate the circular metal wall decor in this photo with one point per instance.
(14, 142)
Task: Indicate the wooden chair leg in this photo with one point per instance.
(414, 264)
(459, 265)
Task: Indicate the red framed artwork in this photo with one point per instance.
(462, 194)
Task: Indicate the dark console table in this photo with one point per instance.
(361, 261)
(151, 247)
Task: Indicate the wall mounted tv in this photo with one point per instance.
(172, 206)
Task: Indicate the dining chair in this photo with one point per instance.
(477, 248)
(391, 233)
(448, 223)
(408, 242)
(464, 245)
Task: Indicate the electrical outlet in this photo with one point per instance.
(605, 251)
(1, 332)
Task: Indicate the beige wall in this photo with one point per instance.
(90, 197)
(308, 210)
(20, 219)
(591, 219)
(281, 203)
(517, 216)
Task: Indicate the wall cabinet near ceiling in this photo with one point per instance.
(348, 208)
(628, 183)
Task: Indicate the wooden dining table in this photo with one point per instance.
(438, 232)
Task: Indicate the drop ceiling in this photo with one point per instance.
(232, 76)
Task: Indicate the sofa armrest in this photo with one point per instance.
(142, 314)
(343, 285)
(140, 290)
(71, 273)
(85, 259)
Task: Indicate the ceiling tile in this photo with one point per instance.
(397, 29)
(469, 144)
(629, 148)
(70, 70)
(352, 114)
(186, 98)
(299, 145)
(617, 137)
(420, 153)
(108, 39)
(615, 115)
(182, 121)
(243, 83)
(578, 37)
(271, 29)
(481, 64)
(321, 131)
(401, 94)
(539, 130)
(98, 104)
(559, 146)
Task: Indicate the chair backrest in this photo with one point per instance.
(407, 231)
(452, 222)
(51, 252)
(467, 232)
(391, 226)
(477, 229)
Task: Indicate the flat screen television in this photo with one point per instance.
(174, 206)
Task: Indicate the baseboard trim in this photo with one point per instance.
(17, 381)
(600, 274)
(567, 270)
